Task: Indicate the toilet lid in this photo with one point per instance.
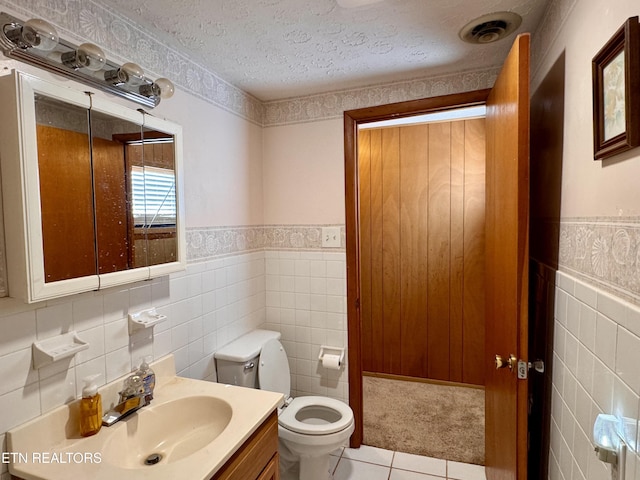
(314, 415)
(273, 372)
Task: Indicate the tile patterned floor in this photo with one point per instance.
(371, 463)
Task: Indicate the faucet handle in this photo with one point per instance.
(132, 386)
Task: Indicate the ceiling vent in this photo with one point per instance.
(490, 28)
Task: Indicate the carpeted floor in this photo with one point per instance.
(440, 421)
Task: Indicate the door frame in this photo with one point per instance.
(352, 119)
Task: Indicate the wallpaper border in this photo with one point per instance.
(332, 104)
(207, 243)
(604, 251)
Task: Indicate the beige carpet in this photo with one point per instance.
(440, 421)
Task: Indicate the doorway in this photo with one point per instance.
(353, 202)
(506, 280)
(422, 195)
(422, 200)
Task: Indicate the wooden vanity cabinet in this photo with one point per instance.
(272, 470)
(257, 458)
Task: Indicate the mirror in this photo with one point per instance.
(66, 191)
(109, 204)
(156, 194)
(91, 191)
(151, 182)
(111, 138)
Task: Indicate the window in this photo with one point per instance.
(154, 198)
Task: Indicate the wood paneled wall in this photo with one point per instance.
(422, 250)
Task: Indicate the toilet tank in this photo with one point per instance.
(237, 362)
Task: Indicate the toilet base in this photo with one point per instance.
(295, 467)
(315, 468)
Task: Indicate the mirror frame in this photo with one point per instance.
(25, 255)
(174, 129)
(21, 190)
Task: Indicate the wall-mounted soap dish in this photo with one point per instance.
(144, 319)
(56, 348)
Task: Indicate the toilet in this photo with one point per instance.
(310, 427)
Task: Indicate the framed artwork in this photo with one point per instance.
(616, 93)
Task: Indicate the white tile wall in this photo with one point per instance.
(596, 369)
(306, 302)
(207, 306)
(303, 295)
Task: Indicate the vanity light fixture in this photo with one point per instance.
(36, 42)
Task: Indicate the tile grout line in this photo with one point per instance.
(393, 456)
(392, 467)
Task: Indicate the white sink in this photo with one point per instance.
(194, 426)
(167, 432)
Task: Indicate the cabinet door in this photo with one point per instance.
(272, 470)
(47, 199)
(74, 220)
(258, 452)
(162, 227)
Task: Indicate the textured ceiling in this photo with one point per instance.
(275, 49)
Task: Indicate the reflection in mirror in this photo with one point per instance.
(111, 138)
(66, 196)
(108, 205)
(154, 198)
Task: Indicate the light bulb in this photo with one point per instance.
(166, 87)
(35, 33)
(134, 73)
(87, 56)
(129, 74)
(40, 34)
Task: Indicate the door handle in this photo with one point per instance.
(511, 362)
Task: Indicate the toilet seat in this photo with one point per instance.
(273, 372)
(309, 415)
(313, 415)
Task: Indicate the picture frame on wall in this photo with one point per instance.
(616, 92)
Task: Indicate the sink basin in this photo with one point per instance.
(194, 427)
(166, 433)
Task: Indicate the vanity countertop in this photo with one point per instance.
(49, 447)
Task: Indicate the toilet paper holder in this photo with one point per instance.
(325, 349)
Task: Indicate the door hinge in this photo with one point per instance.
(523, 368)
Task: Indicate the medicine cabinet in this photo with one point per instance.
(92, 191)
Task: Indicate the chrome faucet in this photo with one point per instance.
(132, 398)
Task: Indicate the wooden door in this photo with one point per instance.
(421, 190)
(507, 257)
(111, 205)
(66, 203)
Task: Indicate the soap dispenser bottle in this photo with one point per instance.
(148, 377)
(90, 408)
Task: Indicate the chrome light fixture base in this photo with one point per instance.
(60, 60)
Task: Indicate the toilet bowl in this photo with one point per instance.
(310, 427)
